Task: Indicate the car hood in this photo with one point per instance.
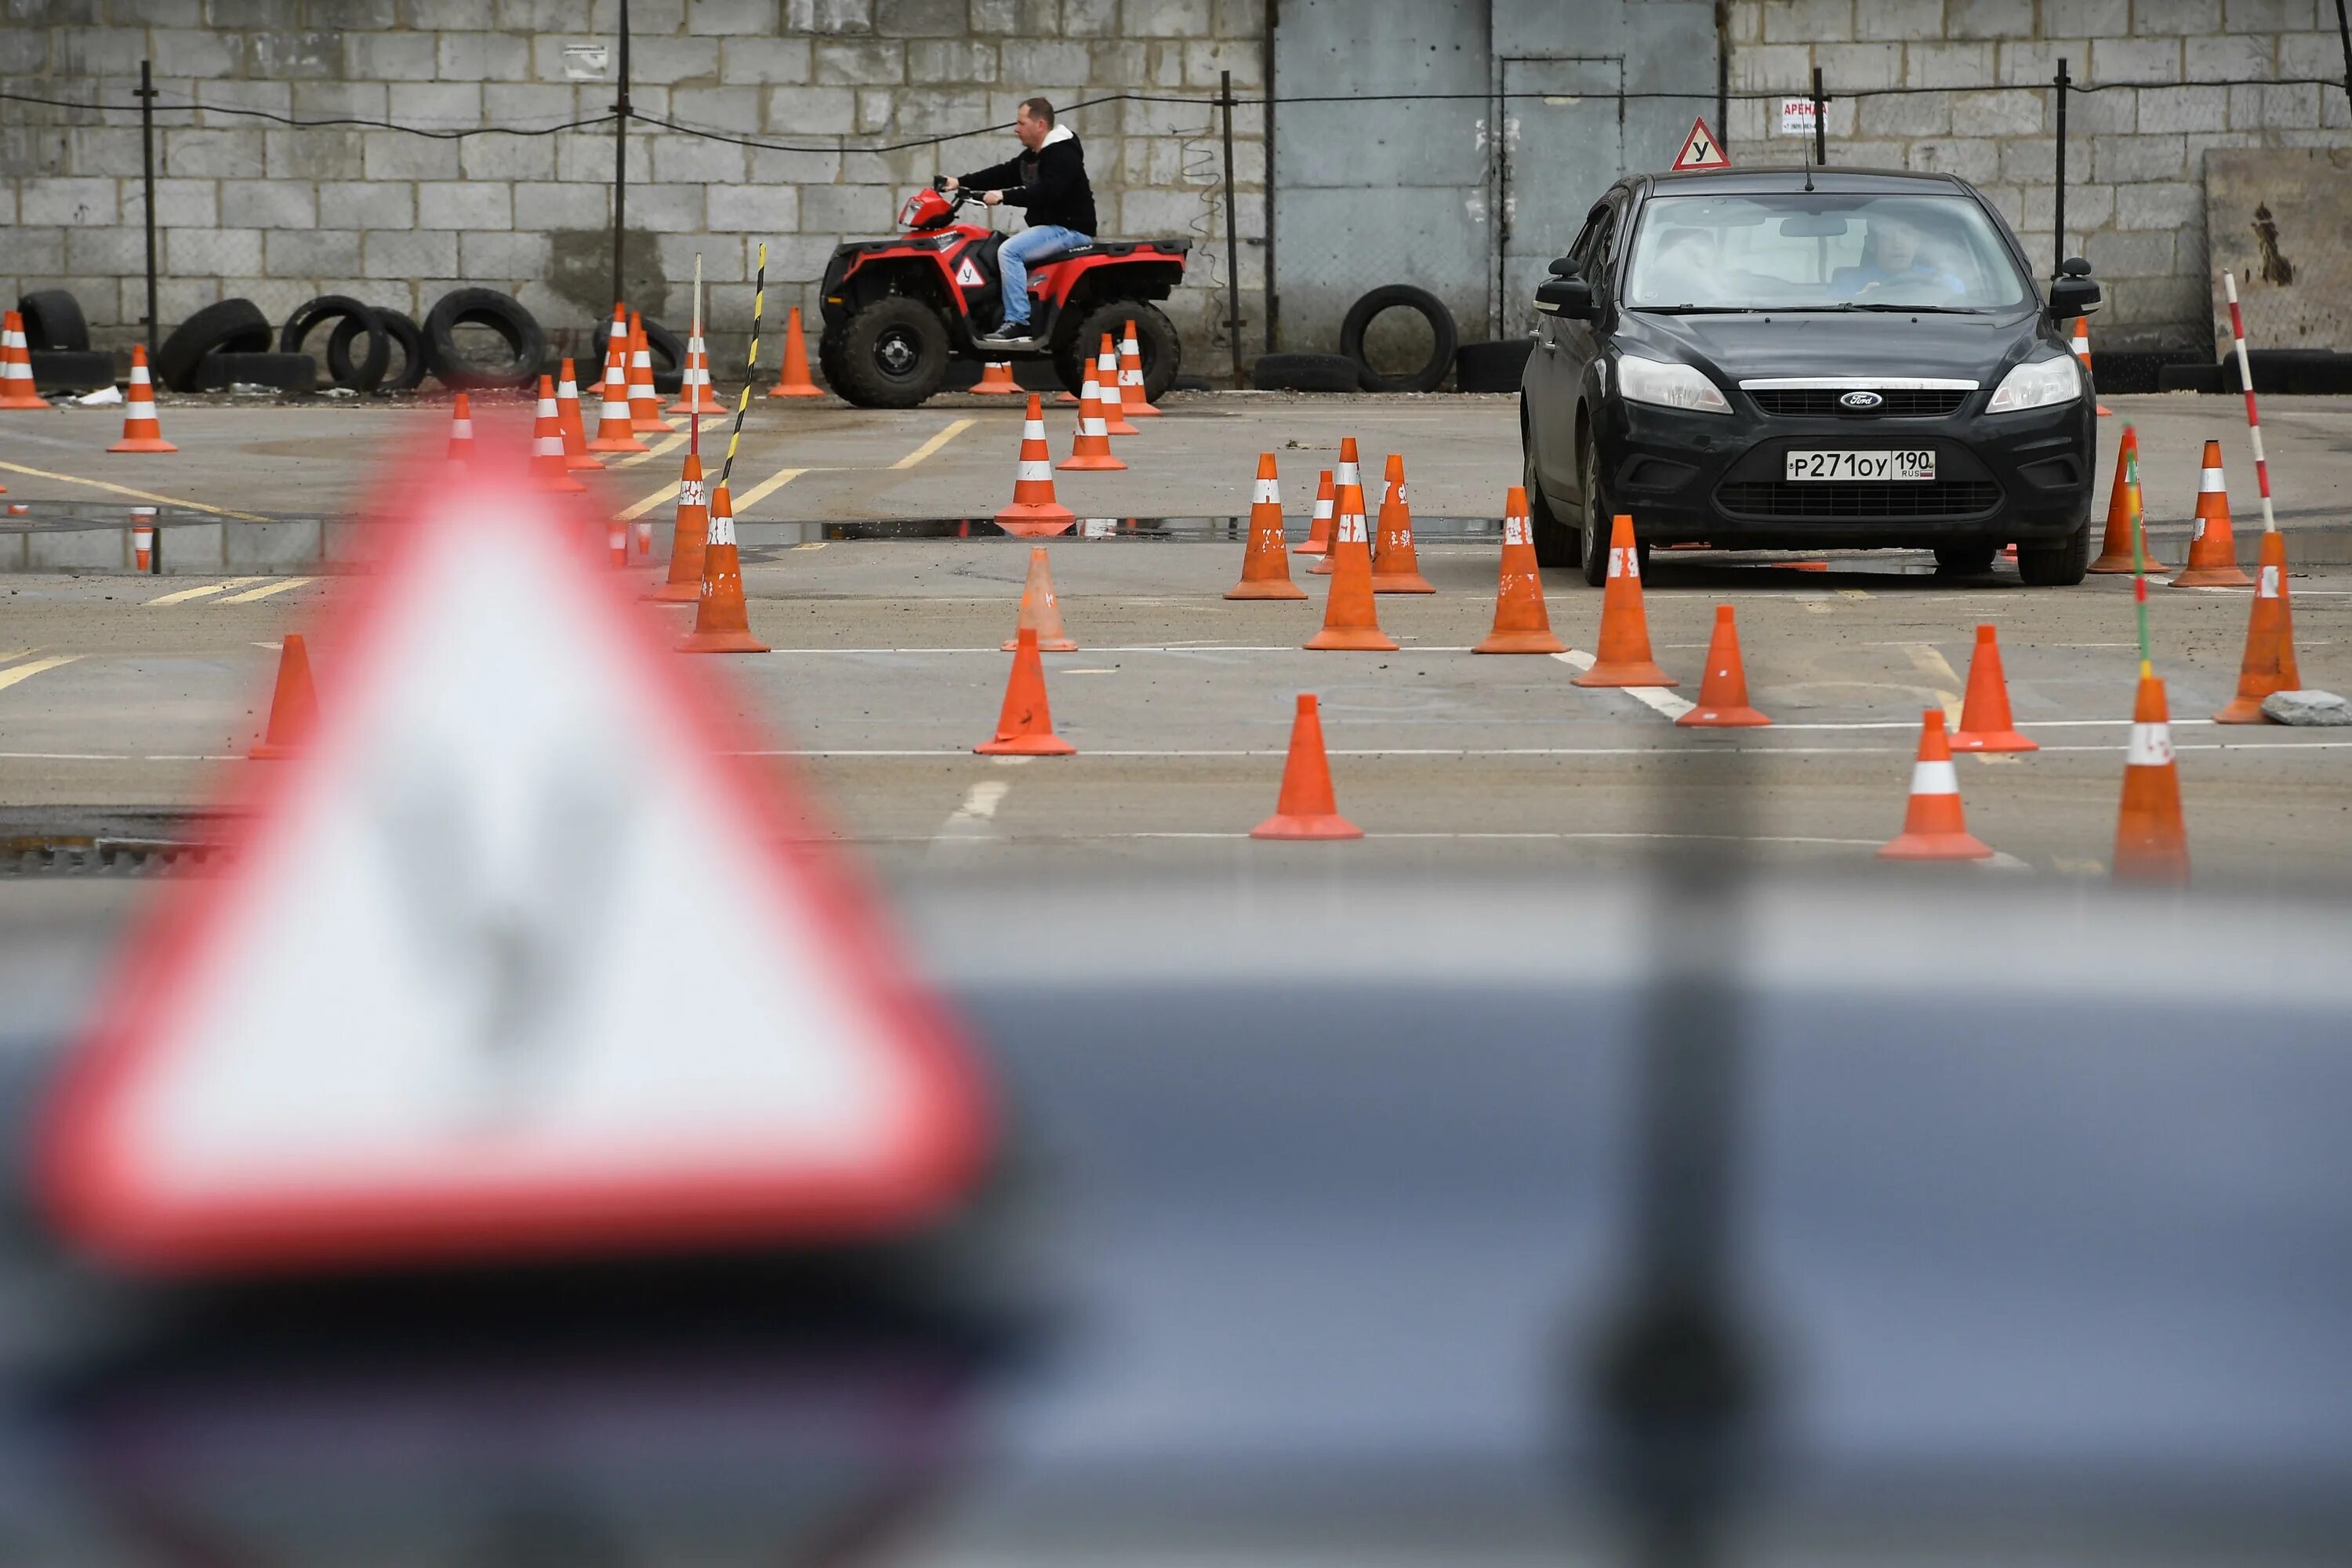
(1746, 347)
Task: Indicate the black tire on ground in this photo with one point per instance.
(503, 315)
(234, 326)
(56, 370)
(1964, 559)
(292, 374)
(1492, 367)
(667, 352)
(1555, 542)
(1304, 372)
(368, 373)
(53, 320)
(828, 356)
(893, 354)
(2060, 565)
(1155, 341)
(1395, 297)
(405, 338)
(1599, 516)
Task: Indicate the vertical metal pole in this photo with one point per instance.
(2344, 30)
(1265, 131)
(1821, 122)
(147, 151)
(1232, 243)
(621, 156)
(2058, 197)
(1722, 94)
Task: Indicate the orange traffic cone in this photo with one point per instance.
(576, 456)
(1723, 690)
(1396, 566)
(644, 402)
(1091, 451)
(793, 381)
(2268, 664)
(694, 393)
(1521, 623)
(1933, 826)
(2082, 347)
(1025, 726)
(645, 532)
(141, 431)
(1350, 618)
(546, 470)
(1131, 377)
(616, 543)
(1305, 808)
(1624, 657)
(1041, 612)
(692, 527)
(2122, 510)
(721, 621)
(615, 431)
(996, 380)
(143, 537)
(1034, 501)
(293, 704)
(1265, 562)
(16, 389)
(461, 432)
(1318, 532)
(1346, 474)
(2212, 547)
(1984, 724)
(1114, 397)
(2151, 840)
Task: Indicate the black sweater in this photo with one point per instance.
(1049, 185)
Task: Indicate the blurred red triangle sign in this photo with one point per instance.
(1701, 150)
(518, 959)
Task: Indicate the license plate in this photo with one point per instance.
(1917, 464)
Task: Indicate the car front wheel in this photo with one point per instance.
(1599, 518)
(2060, 565)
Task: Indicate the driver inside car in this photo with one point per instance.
(1892, 264)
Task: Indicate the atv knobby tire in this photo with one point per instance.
(892, 353)
(503, 315)
(363, 376)
(234, 326)
(405, 336)
(1155, 342)
(53, 320)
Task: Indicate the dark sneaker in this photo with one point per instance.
(1008, 332)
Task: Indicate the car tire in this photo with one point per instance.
(1304, 372)
(53, 321)
(232, 326)
(366, 374)
(1393, 296)
(405, 337)
(1492, 367)
(1964, 559)
(2060, 565)
(294, 374)
(893, 354)
(504, 315)
(1597, 518)
(58, 369)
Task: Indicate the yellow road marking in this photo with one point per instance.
(185, 594)
(11, 653)
(812, 544)
(639, 510)
(135, 495)
(935, 442)
(670, 443)
(9, 677)
(250, 596)
(766, 488)
(1929, 661)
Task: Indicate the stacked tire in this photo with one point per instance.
(58, 339)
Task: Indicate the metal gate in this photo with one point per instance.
(1563, 141)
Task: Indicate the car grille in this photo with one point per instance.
(1860, 499)
(1822, 403)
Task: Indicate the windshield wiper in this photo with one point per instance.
(1688, 309)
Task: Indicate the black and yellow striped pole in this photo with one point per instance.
(750, 365)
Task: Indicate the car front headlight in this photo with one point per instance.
(2038, 383)
(1668, 385)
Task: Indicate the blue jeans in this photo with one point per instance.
(1013, 257)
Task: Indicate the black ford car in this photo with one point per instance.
(1788, 359)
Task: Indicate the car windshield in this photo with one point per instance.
(1820, 252)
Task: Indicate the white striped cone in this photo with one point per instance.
(1033, 480)
(1347, 473)
(2212, 542)
(996, 379)
(1092, 448)
(143, 537)
(546, 470)
(1130, 378)
(645, 540)
(16, 389)
(2081, 344)
(461, 432)
(576, 456)
(140, 433)
(616, 543)
(1113, 394)
(644, 402)
(1933, 825)
(614, 433)
(694, 393)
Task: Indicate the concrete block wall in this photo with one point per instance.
(2135, 147)
(249, 206)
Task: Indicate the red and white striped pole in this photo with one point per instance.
(2253, 418)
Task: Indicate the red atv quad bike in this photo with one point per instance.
(896, 311)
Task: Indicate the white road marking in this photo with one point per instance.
(970, 821)
(1657, 699)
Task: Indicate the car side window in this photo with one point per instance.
(1602, 262)
(1580, 253)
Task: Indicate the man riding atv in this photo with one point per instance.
(1048, 182)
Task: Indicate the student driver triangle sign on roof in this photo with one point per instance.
(517, 960)
(1701, 150)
